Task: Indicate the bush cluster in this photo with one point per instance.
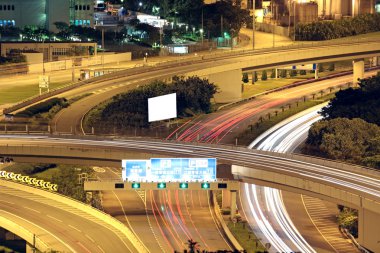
(43, 107)
(327, 30)
(131, 108)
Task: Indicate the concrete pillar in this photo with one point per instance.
(316, 71)
(253, 77)
(358, 66)
(233, 204)
(361, 225)
(226, 198)
(276, 73)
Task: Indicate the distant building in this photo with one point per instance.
(310, 10)
(44, 13)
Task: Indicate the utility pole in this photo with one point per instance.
(273, 26)
(103, 39)
(202, 31)
(294, 20)
(253, 23)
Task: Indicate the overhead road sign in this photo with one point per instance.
(143, 186)
(170, 169)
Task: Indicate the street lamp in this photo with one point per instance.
(201, 32)
(253, 23)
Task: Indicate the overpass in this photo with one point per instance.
(349, 185)
(224, 69)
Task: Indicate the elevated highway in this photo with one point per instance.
(353, 186)
(224, 69)
(53, 222)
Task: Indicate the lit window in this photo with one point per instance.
(1, 22)
(13, 23)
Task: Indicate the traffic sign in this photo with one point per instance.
(205, 185)
(183, 185)
(161, 185)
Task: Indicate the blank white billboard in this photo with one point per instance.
(162, 107)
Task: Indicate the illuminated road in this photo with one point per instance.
(286, 137)
(224, 125)
(264, 207)
(63, 227)
(165, 220)
(358, 182)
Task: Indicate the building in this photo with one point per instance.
(44, 13)
(51, 51)
(309, 10)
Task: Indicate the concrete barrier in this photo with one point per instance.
(225, 228)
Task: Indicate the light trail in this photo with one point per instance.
(281, 138)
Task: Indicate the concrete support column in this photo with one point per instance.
(233, 204)
(226, 198)
(229, 83)
(358, 66)
(361, 226)
(316, 72)
(276, 73)
(253, 77)
(375, 61)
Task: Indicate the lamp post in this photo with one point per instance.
(253, 23)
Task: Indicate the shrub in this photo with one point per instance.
(245, 78)
(293, 73)
(327, 30)
(302, 72)
(43, 107)
(264, 75)
(273, 74)
(283, 73)
(331, 67)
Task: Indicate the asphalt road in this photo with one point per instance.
(164, 220)
(62, 227)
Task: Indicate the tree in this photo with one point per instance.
(273, 74)
(255, 77)
(361, 103)
(264, 76)
(245, 78)
(331, 67)
(344, 139)
(348, 219)
(293, 73)
(320, 68)
(283, 73)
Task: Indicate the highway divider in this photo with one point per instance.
(230, 237)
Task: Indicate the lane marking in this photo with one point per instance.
(53, 218)
(75, 228)
(89, 237)
(101, 249)
(83, 247)
(7, 202)
(34, 210)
